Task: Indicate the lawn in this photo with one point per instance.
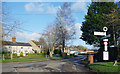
(55, 58)
(30, 57)
(104, 67)
(33, 57)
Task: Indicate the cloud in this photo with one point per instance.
(42, 8)
(29, 7)
(25, 37)
(51, 9)
(79, 6)
(78, 31)
(76, 27)
(79, 41)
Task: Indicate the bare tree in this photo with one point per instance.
(65, 25)
(50, 38)
(43, 43)
(9, 23)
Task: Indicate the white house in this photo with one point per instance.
(17, 47)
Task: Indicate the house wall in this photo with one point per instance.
(18, 49)
(35, 47)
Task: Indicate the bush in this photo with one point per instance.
(57, 51)
(4, 52)
(21, 54)
(7, 56)
(35, 51)
(15, 55)
(27, 53)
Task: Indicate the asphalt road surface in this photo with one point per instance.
(64, 65)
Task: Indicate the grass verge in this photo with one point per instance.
(104, 67)
(55, 58)
(30, 58)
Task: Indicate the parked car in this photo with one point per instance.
(74, 51)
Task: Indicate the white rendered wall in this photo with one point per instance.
(17, 49)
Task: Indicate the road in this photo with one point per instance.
(64, 65)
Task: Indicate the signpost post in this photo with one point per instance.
(105, 53)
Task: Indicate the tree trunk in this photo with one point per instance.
(115, 43)
(3, 57)
(63, 46)
(114, 37)
(119, 50)
(51, 54)
(11, 56)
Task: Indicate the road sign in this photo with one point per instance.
(105, 55)
(107, 36)
(105, 43)
(100, 33)
(105, 47)
(105, 39)
(105, 29)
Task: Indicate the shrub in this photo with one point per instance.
(57, 51)
(4, 52)
(35, 51)
(7, 56)
(27, 53)
(21, 54)
(15, 55)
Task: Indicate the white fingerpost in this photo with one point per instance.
(105, 43)
(105, 55)
(105, 29)
(100, 33)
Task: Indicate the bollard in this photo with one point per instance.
(63, 55)
(90, 58)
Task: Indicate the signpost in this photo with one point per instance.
(105, 53)
(100, 33)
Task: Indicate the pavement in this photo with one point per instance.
(64, 65)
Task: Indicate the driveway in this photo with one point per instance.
(65, 65)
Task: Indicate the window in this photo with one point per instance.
(21, 47)
(10, 47)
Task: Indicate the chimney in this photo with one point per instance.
(13, 39)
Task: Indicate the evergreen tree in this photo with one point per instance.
(95, 21)
(114, 25)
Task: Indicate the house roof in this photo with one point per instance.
(15, 44)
